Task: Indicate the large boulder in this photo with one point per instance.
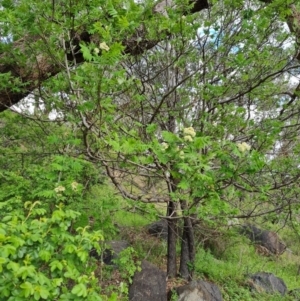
(149, 284)
(268, 283)
(111, 251)
(199, 290)
(269, 240)
(159, 229)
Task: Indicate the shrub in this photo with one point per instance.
(40, 259)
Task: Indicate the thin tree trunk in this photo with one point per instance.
(187, 256)
(172, 238)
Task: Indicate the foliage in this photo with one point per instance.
(127, 264)
(174, 296)
(61, 179)
(101, 204)
(40, 259)
(32, 164)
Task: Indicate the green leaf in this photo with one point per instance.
(6, 218)
(69, 248)
(129, 146)
(22, 252)
(71, 273)
(169, 137)
(16, 241)
(57, 166)
(151, 128)
(184, 184)
(113, 297)
(82, 254)
(2, 261)
(42, 279)
(7, 250)
(27, 288)
(56, 265)
(5, 292)
(86, 52)
(80, 290)
(44, 292)
(37, 295)
(57, 215)
(26, 271)
(111, 9)
(2, 237)
(14, 266)
(36, 237)
(201, 142)
(57, 281)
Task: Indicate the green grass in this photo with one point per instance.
(131, 219)
(240, 260)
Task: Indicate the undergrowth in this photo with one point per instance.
(229, 261)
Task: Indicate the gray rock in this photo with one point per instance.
(199, 290)
(159, 229)
(267, 282)
(149, 284)
(267, 239)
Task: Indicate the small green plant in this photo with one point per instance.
(233, 291)
(127, 265)
(40, 259)
(174, 295)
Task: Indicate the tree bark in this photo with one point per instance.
(41, 66)
(187, 256)
(172, 238)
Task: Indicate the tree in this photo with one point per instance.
(18, 71)
(21, 74)
(187, 111)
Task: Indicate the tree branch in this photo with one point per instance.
(40, 67)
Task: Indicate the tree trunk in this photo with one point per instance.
(187, 256)
(172, 238)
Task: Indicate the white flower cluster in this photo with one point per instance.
(243, 147)
(188, 138)
(59, 189)
(74, 186)
(104, 46)
(189, 134)
(164, 146)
